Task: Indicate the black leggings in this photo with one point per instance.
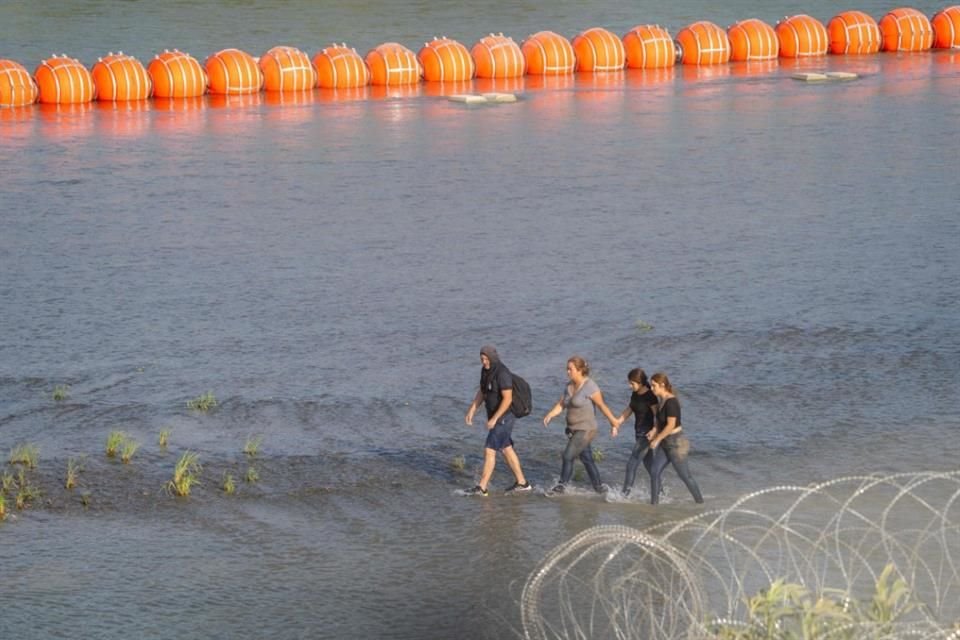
(676, 447)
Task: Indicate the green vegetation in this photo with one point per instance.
(164, 438)
(3, 507)
(129, 448)
(789, 611)
(85, 499)
(25, 454)
(458, 463)
(73, 470)
(598, 454)
(252, 475)
(202, 403)
(228, 486)
(61, 392)
(26, 492)
(186, 473)
(115, 442)
(7, 483)
(644, 327)
(252, 446)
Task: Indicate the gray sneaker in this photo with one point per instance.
(516, 487)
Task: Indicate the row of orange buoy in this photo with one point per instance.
(174, 74)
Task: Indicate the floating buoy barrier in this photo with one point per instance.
(64, 80)
(392, 64)
(599, 50)
(703, 43)
(287, 69)
(802, 36)
(177, 75)
(445, 60)
(340, 67)
(498, 56)
(853, 32)
(17, 87)
(119, 78)
(548, 54)
(494, 66)
(906, 29)
(233, 72)
(946, 28)
(649, 46)
(751, 40)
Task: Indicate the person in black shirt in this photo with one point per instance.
(496, 394)
(669, 429)
(643, 406)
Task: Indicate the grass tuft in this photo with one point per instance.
(164, 439)
(26, 454)
(458, 463)
(229, 486)
(3, 507)
(129, 448)
(644, 327)
(61, 392)
(7, 483)
(85, 499)
(252, 476)
(186, 473)
(252, 446)
(26, 492)
(202, 403)
(598, 454)
(73, 470)
(115, 442)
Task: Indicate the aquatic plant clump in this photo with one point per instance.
(129, 448)
(115, 440)
(229, 486)
(3, 507)
(73, 470)
(186, 474)
(164, 438)
(856, 558)
(61, 392)
(252, 476)
(203, 403)
(252, 446)
(26, 454)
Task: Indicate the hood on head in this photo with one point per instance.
(491, 352)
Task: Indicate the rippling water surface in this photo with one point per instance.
(329, 268)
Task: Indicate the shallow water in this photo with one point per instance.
(330, 268)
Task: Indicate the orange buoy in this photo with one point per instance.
(703, 42)
(498, 56)
(445, 60)
(906, 29)
(63, 80)
(177, 75)
(946, 28)
(599, 50)
(233, 72)
(548, 54)
(751, 40)
(17, 88)
(853, 32)
(287, 69)
(392, 64)
(802, 36)
(120, 78)
(649, 46)
(340, 67)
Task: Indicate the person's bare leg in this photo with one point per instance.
(513, 461)
(489, 462)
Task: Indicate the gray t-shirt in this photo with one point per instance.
(581, 414)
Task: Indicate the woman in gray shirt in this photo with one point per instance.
(581, 398)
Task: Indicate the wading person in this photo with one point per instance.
(496, 394)
(643, 407)
(581, 397)
(669, 435)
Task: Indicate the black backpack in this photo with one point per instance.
(522, 398)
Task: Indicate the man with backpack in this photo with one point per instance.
(496, 393)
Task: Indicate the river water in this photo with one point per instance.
(329, 268)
